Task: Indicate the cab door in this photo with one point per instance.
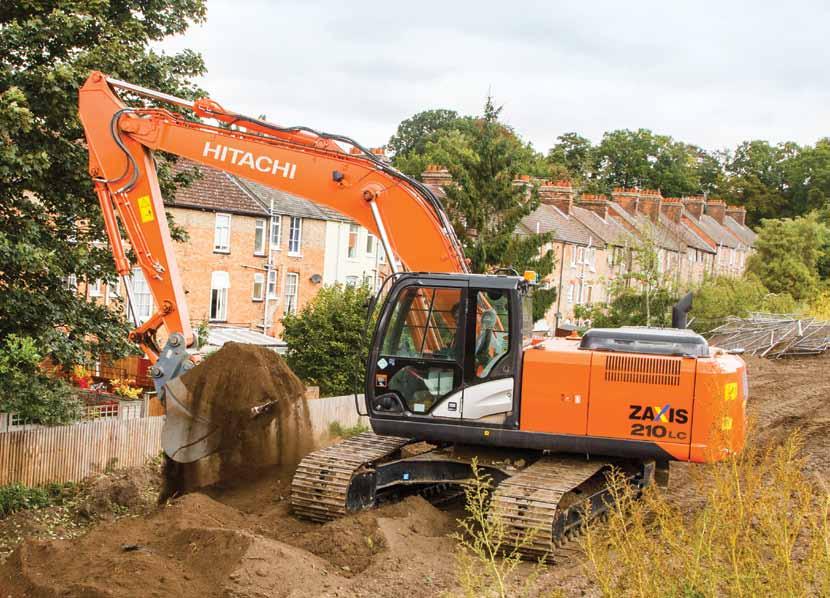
(418, 360)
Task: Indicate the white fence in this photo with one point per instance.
(38, 455)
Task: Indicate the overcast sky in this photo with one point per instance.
(710, 73)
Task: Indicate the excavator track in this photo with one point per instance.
(530, 503)
(336, 480)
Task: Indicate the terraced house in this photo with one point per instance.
(254, 254)
(593, 237)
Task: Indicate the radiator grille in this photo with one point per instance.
(642, 370)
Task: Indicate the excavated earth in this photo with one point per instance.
(239, 540)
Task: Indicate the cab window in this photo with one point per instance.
(424, 324)
(492, 338)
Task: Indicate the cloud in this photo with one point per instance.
(710, 73)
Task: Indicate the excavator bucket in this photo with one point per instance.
(188, 433)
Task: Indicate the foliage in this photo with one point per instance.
(336, 430)
(327, 339)
(722, 296)
(787, 253)
(27, 391)
(486, 559)
(820, 307)
(50, 222)
(125, 388)
(763, 526)
(414, 132)
(17, 497)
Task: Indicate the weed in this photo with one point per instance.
(336, 429)
(17, 497)
(486, 559)
(761, 528)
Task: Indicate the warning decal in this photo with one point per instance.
(145, 209)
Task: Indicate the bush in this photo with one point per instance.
(630, 308)
(328, 340)
(27, 391)
(18, 497)
(763, 529)
(723, 296)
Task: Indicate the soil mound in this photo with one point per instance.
(224, 388)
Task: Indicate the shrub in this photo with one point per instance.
(17, 497)
(723, 296)
(337, 430)
(27, 391)
(328, 339)
(763, 529)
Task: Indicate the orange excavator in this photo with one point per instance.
(452, 365)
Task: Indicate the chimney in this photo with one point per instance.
(380, 152)
(650, 202)
(559, 194)
(672, 208)
(737, 213)
(716, 208)
(598, 204)
(436, 175)
(694, 205)
(628, 199)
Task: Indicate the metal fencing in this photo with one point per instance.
(773, 335)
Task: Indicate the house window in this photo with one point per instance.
(370, 244)
(591, 257)
(291, 291)
(295, 233)
(352, 281)
(571, 293)
(259, 237)
(272, 284)
(142, 298)
(95, 288)
(222, 234)
(219, 285)
(276, 231)
(259, 287)
(351, 249)
(71, 282)
(587, 295)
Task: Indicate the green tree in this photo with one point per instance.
(787, 254)
(640, 158)
(50, 223)
(328, 340)
(571, 156)
(486, 206)
(414, 132)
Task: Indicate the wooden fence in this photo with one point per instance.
(70, 453)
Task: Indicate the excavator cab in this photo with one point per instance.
(446, 351)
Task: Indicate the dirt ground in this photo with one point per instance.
(240, 541)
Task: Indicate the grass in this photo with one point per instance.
(486, 562)
(762, 528)
(336, 429)
(17, 497)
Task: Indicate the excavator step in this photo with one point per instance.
(327, 483)
(529, 504)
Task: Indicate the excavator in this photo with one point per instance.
(454, 375)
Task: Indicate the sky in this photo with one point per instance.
(708, 73)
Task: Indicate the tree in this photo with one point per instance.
(571, 156)
(787, 254)
(414, 132)
(50, 223)
(756, 179)
(485, 205)
(642, 159)
(328, 339)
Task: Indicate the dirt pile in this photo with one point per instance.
(224, 388)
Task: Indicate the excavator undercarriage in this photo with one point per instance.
(541, 499)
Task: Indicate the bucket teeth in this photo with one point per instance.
(321, 483)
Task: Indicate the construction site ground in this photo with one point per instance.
(240, 540)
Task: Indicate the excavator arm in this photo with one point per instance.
(403, 213)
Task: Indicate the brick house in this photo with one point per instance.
(256, 253)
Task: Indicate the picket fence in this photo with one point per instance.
(40, 455)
